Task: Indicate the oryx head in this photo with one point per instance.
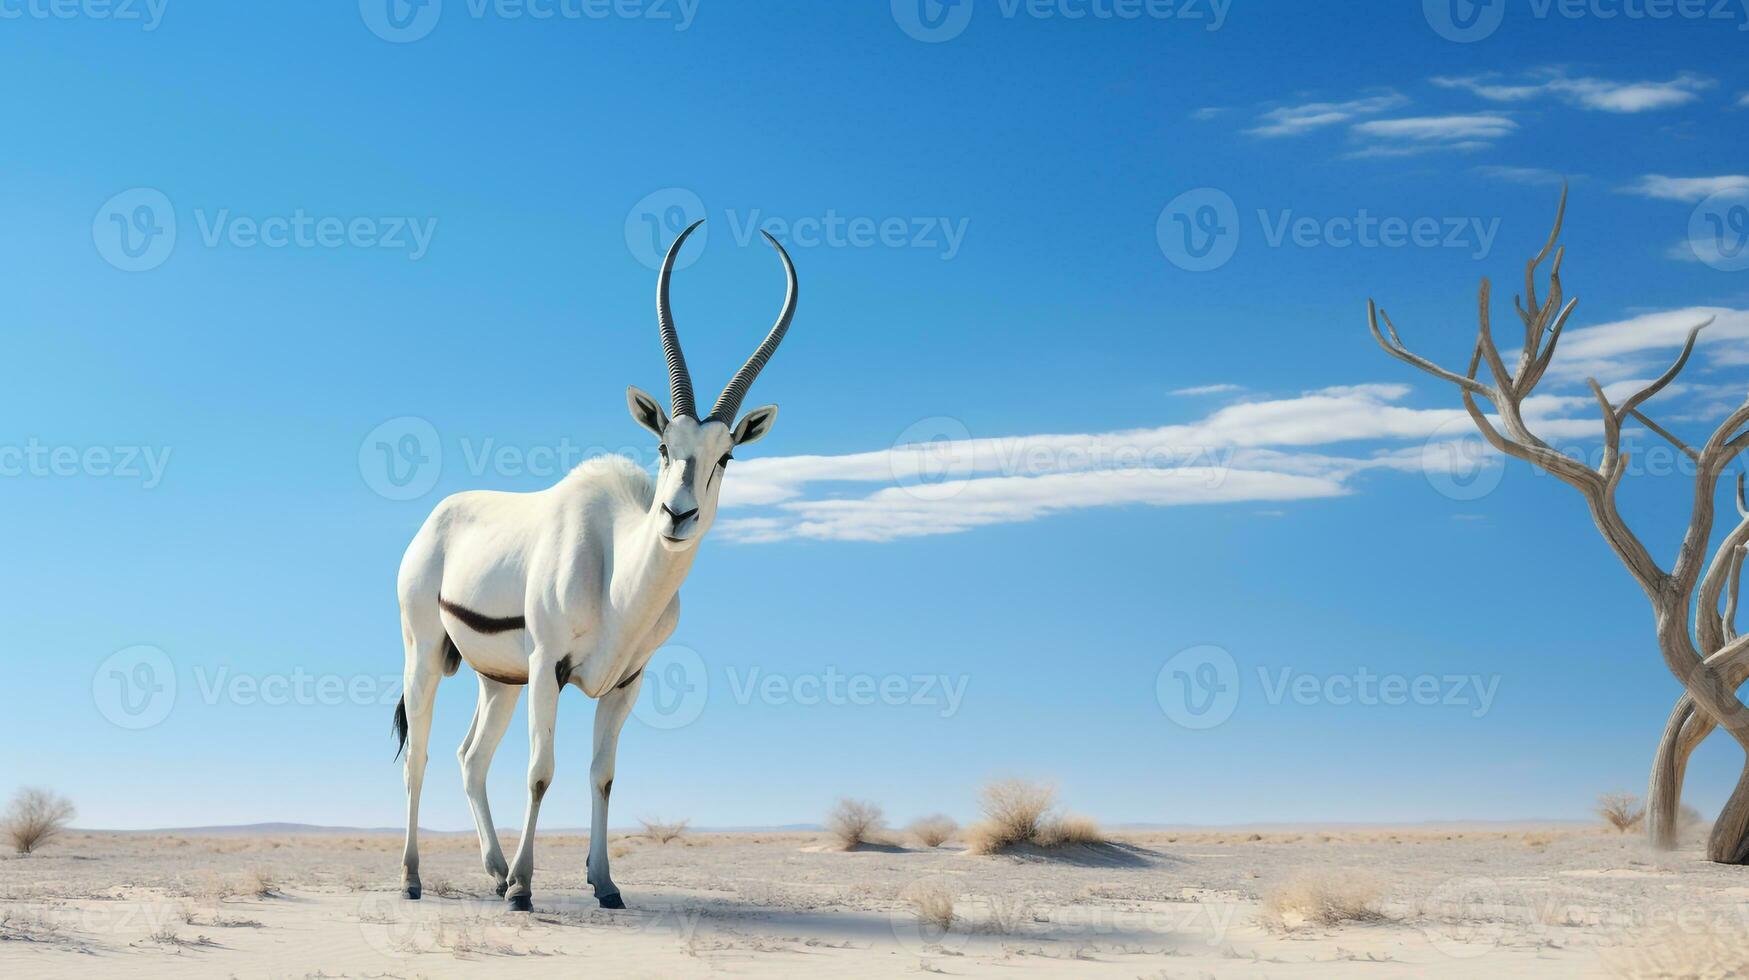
(695, 452)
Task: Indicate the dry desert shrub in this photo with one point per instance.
(855, 822)
(1683, 955)
(662, 831)
(34, 818)
(932, 902)
(259, 883)
(1015, 808)
(1068, 830)
(1018, 812)
(933, 831)
(1321, 899)
(1620, 810)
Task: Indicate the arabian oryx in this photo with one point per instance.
(577, 584)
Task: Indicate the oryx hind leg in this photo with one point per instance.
(426, 644)
(491, 717)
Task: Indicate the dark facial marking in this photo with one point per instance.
(480, 623)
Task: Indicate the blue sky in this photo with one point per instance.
(1142, 444)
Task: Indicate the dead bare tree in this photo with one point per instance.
(34, 818)
(1697, 639)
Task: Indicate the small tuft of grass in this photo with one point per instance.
(1621, 811)
(663, 831)
(932, 902)
(1321, 899)
(260, 883)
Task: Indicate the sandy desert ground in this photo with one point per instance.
(1459, 902)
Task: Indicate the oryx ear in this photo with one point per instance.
(645, 411)
(755, 424)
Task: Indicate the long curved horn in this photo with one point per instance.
(730, 401)
(679, 381)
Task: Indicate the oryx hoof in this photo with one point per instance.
(611, 901)
(501, 887)
(519, 903)
(411, 892)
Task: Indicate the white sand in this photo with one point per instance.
(1460, 903)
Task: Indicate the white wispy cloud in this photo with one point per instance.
(1599, 94)
(1689, 189)
(1298, 119)
(1535, 176)
(1207, 112)
(1423, 134)
(1256, 452)
(1219, 389)
(1642, 346)
(1310, 446)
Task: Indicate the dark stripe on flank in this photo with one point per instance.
(482, 624)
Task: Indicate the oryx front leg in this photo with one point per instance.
(491, 717)
(610, 717)
(544, 684)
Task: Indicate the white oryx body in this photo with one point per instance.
(576, 584)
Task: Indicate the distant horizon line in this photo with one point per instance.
(285, 827)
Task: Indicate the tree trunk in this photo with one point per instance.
(1729, 843)
(1682, 733)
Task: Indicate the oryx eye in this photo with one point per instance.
(724, 462)
(662, 451)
